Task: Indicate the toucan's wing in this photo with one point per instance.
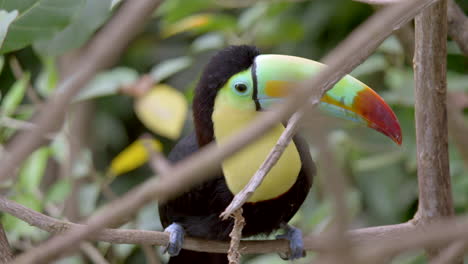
(199, 204)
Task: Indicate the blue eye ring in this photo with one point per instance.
(241, 88)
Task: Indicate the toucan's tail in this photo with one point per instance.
(194, 257)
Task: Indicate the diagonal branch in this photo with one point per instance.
(204, 163)
(103, 50)
(457, 21)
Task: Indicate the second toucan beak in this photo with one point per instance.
(349, 98)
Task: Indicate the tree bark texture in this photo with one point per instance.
(5, 250)
(435, 199)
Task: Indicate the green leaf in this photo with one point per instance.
(169, 67)
(88, 19)
(88, 195)
(47, 80)
(176, 9)
(209, 41)
(15, 95)
(37, 19)
(5, 21)
(2, 62)
(108, 83)
(59, 191)
(33, 169)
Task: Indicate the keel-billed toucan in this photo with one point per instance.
(235, 86)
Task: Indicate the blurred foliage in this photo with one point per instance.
(68, 177)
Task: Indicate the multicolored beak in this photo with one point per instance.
(349, 98)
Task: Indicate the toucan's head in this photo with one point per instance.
(243, 79)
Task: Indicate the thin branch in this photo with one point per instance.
(458, 26)
(379, 2)
(458, 127)
(18, 73)
(158, 163)
(236, 235)
(457, 21)
(5, 250)
(270, 161)
(93, 253)
(451, 254)
(203, 164)
(151, 257)
(103, 50)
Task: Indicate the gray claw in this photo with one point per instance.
(176, 239)
(296, 244)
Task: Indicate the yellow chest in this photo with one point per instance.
(239, 168)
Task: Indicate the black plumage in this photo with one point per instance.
(198, 209)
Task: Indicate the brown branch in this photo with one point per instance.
(373, 242)
(270, 161)
(151, 257)
(451, 254)
(457, 21)
(158, 163)
(5, 250)
(203, 164)
(103, 50)
(458, 127)
(435, 196)
(379, 2)
(236, 235)
(405, 36)
(93, 253)
(458, 26)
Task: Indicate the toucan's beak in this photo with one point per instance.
(349, 99)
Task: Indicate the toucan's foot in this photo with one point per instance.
(176, 239)
(296, 244)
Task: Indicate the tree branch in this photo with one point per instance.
(457, 21)
(5, 250)
(103, 50)
(458, 26)
(371, 242)
(204, 163)
(435, 196)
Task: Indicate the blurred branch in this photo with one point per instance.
(203, 164)
(5, 250)
(93, 253)
(103, 50)
(458, 26)
(372, 242)
(451, 254)
(435, 194)
(458, 128)
(158, 163)
(18, 73)
(270, 161)
(457, 21)
(151, 257)
(379, 2)
(405, 36)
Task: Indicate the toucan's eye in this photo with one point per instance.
(241, 88)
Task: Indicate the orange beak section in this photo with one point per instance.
(370, 108)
